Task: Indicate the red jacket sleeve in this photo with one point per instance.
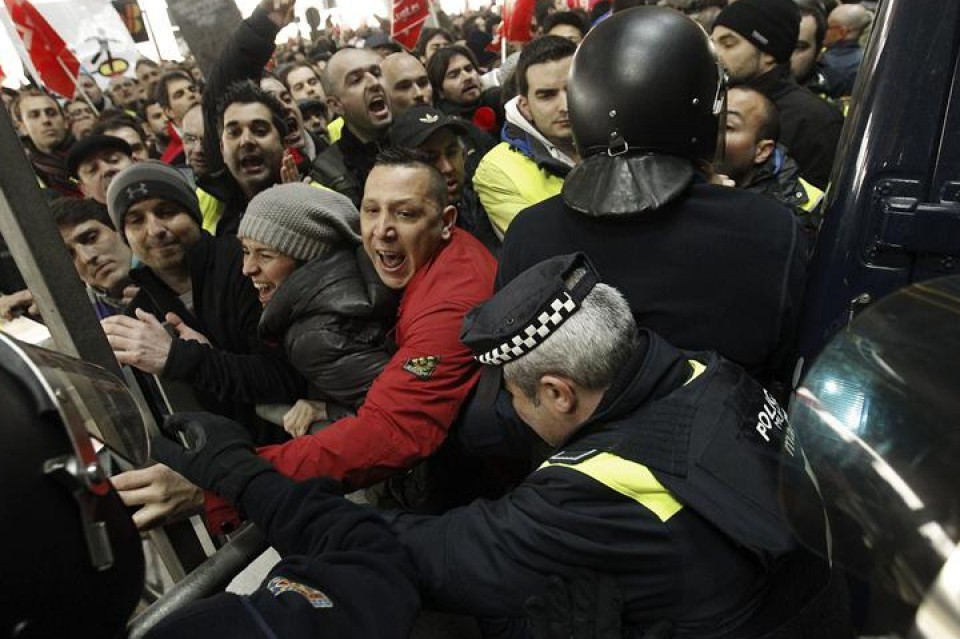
(407, 413)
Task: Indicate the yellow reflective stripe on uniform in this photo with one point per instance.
(335, 129)
(211, 210)
(697, 371)
(628, 478)
(814, 195)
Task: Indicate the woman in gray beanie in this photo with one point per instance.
(321, 296)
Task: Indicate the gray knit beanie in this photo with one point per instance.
(299, 220)
(145, 181)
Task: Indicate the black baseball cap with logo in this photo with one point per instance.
(412, 127)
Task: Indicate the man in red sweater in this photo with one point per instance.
(409, 234)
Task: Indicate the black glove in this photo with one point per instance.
(213, 452)
(584, 606)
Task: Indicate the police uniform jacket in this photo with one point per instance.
(342, 574)
(670, 486)
(716, 269)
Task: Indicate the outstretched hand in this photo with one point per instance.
(161, 495)
(289, 173)
(280, 12)
(141, 342)
(15, 303)
(184, 331)
(213, 452)
(305, 412)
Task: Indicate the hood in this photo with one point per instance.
(525, 137)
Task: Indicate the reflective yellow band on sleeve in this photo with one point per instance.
(335, 129)
(814, 195)
(628, 478)
(211, 210)
(697, 370)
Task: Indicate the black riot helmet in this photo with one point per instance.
(646, 101)
(73, 564)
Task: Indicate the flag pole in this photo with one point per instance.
(76, 86)
(75, 76)
(83, 94)
(153, 38)
(503, 32)
(23, 54)
(503, 49)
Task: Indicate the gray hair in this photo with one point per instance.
(590, 348)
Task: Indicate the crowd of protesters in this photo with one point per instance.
(308, 225)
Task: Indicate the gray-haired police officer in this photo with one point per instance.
(663, 477)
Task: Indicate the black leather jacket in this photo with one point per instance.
(332, 315)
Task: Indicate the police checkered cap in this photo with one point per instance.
(533, 334)
(523, 314)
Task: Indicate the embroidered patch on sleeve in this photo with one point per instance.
(280, 585)
(422, 367)
(573, 456)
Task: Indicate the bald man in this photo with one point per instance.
(406, 82)
(353, 83)
(756, 162)
(843, 55)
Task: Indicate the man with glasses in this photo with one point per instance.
(80, 118)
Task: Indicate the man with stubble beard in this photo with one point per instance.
(406, 81)
(354, 87)
(252, 128)
(243, 58)
(457, 90)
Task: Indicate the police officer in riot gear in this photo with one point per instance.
(708, 267)
(73, 564)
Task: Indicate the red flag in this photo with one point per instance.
(2, 75)
(518, 20)
(54, 62)
(407, 22)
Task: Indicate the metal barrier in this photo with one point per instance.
(210, 577)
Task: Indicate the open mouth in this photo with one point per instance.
(391, 262)
(293, 136)
(471, 91)
(265, 291)
(252, 163)
(378, 106)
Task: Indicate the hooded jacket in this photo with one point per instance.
(521, 171)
